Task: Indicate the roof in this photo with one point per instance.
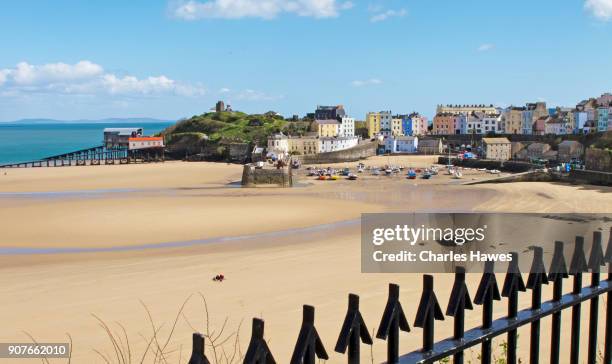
(495, 140)
(123, 131)
(327, 122)
(145, 139)
(570, 143)
(405, 137)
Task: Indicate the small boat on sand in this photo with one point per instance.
(352, 177)
(411, 174)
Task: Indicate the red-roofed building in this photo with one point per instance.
(138, 143)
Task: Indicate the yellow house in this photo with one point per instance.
(328, 128)
(396, 127)
(373, 123)
(303, 145)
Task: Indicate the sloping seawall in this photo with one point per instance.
(361, 151)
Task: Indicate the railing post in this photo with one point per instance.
(392, 321)
(197, 351)
(309, 343)
(429, 310)
(596, 260)
(459, 302)
(258, 351)
(487, 292)
(608, 342)
(558, 271)
(577, 267)
(353, 330)
(513, 284)
(537, 277)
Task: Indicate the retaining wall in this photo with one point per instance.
(361, 151)
(598, 160)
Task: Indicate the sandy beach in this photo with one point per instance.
(158, 233)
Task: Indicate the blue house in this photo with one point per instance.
(407, 125)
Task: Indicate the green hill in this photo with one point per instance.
(209, 133)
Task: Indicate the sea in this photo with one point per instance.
(30, 140)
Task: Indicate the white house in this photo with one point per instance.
(555, 126)
(346, 127)
(278, 145)
(401, 144)
(580, 118)
(492, 123)
(335, 144)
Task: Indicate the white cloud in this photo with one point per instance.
(86, 78)
(3, 74)
(369, 82)
(601, 9)
(265, 9)
(26, 74)
(486, 47)
(388, 14)
(224, 90)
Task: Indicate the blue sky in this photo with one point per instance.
(72, 59)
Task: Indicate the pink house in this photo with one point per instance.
(539, 127)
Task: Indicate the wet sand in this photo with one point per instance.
(269, 276)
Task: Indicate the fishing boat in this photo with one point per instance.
(360, 169)
(495, 171)
(457, 174)
(346, 172)
(411, 174)
(332, 177)
(352, 177)
(388, 171)
(426, 175)
(376, 172)
(321, 177)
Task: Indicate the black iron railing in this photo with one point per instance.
(354, 332)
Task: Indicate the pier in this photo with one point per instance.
(121, 146)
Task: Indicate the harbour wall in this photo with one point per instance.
(251, 176)
(361, 151)
(531, 176)
(591, 177)
(509, 166)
